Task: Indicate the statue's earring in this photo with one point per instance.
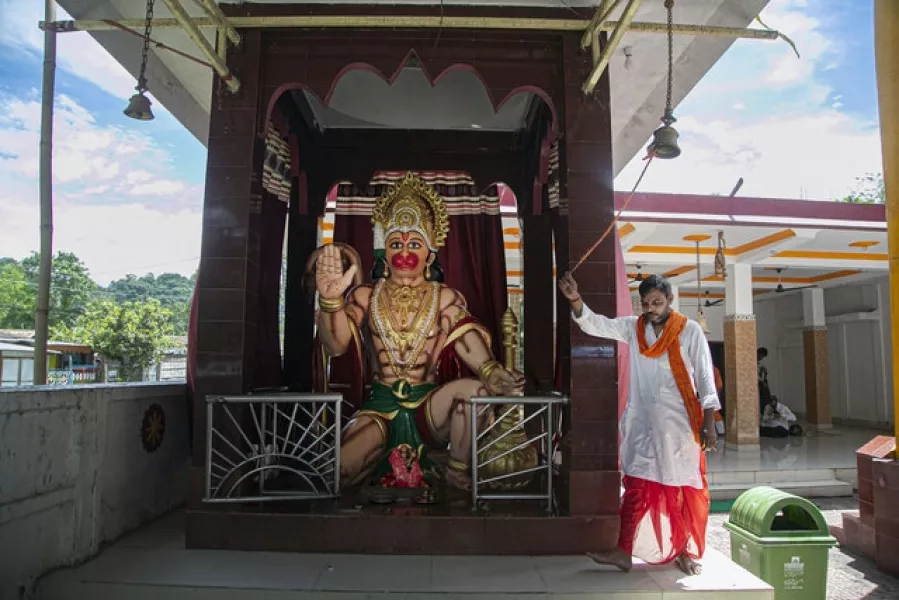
(428, 273)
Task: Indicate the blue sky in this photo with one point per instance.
(128, 195)
(790, 127)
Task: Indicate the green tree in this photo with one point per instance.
(132, 334)
(71, 286)
(869, 189)
(174, 292)
(16, 297)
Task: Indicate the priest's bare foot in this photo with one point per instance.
(688, 565)
(616, 558)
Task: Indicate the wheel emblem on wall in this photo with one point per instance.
(152, 428)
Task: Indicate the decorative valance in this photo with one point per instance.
(276, 165)
(458, 190)
(553, 180)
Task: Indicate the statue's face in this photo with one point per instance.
(407, 253)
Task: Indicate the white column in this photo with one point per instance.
(675, 292)
(813, 308)
(738, 290)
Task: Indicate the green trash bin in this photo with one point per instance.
(783, 540)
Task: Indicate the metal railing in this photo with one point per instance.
(544, 418)
(282, 446)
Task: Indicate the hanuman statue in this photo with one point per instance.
(418, 334)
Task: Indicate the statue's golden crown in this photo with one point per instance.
(411, 204)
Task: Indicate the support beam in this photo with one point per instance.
(601, 59)
(637, 234)
(767, 247)
(193, 32)
(215, 13)
(412, 22)
(603, 11)
(886, 51)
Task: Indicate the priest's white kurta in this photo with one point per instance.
(657, 441)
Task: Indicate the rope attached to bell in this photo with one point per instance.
(615, 219)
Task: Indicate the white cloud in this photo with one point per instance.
(160, 187)
(138, 176)
(816, 157)
(83, 151)
(812, 45)
(112, 240)
(96, 167)
(786, 135)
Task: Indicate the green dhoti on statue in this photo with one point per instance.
(403, 411)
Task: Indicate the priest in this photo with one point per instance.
(667, 425)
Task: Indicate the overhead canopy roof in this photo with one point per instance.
(788, 243)
(638, 79)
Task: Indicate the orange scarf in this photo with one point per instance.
(669, 342)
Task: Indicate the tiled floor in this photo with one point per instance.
(828, 449)
(153, 564)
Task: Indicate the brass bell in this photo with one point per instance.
(139, 108)
(664, 143)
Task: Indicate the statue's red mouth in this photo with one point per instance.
(404, 263)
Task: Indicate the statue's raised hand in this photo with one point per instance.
(330, 279)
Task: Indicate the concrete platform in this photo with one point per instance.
(153, 564)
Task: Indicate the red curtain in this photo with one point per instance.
(268, 372)
(474, 263)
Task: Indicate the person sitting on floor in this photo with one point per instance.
(778, 421)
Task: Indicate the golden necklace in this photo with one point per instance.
(404, 344)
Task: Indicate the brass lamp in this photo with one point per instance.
(503, 460)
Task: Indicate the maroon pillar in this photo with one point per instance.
(229, 256)
(591, 444)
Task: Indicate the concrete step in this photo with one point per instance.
(771, 477)
(823, 488)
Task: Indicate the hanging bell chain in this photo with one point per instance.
(668, 118)
(145, 52)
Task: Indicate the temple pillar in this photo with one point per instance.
(741, 385)
(886, 51)
(590, 480)
(228, 277)
(817, 360)
(886, 472)
(675, 302)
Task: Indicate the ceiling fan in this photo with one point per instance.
(711, 303)
(780, 289)
(639, 277)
